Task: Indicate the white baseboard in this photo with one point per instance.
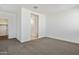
(51, 36)
(26, 40)
(68, 40)
(22, 41)
(40, 36)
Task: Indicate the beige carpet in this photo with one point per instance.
(43, 46)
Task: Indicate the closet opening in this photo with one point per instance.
(3, 28)
(34, 26)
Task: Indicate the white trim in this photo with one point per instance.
(41, 36)
(68, 40)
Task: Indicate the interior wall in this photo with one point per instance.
(42, 26)
(26, 24)
(18, 24)
(12, 28)
(64, 25)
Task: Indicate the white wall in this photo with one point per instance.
(26, 24)
(12, 28)
(42, 26)
(64, 25)
(11, 23)
(18, 24)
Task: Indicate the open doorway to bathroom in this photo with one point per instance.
(34, 26)
(3, 28)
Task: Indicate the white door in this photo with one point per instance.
(34, 26)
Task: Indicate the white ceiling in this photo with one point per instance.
(42, 8)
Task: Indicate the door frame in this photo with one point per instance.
(37, 25)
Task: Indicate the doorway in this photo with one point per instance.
(3, 28)
(34, 26)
